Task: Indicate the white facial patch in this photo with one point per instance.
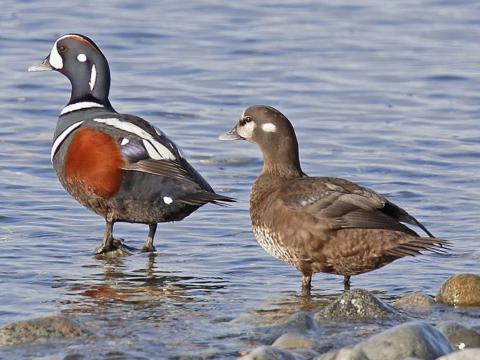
(55, 59)
(82, 57)
(246, 131)
(167, 200)
(79, 106)
(93, 78)
(269, 127)
(155, 150)
(58, 141)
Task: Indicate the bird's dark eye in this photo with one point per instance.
(62, 48)
(244, 120)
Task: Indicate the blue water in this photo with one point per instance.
(385, 94)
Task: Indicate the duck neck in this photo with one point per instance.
(283, 160)
(93, 85)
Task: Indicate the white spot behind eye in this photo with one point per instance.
(167, 200)
(125, 141)
(269, 127)
(93, 78)
(82, 57)
(246, 131)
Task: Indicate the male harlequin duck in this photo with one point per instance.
(320, 224)
(117, 165)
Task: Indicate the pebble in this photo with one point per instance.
(461, 337)
(469, 354)
(45, 328)
(412, 339)
(357, 305)
(416, 302)
(294, 341)
(460, 290)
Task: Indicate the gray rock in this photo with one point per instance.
(300, 322)
(344, 354)
(46, 328)
(413, 339)
(461, 337)
(415, 302)
(460, 290)
(270, 353)
(468, 354)
(294, 341)
(355, 305)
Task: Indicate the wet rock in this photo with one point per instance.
(270, 353)
(344, 354)
(298, 323)
(415, 302)
(357, 304)
(294, 341)
(469, 354)
(460, 290)
(50, 327)
(409, 340)
(461, 337)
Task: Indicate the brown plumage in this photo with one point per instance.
(320, 224)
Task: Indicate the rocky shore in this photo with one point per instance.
(357, 325)
(400, 330)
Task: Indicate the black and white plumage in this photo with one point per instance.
(117, 165)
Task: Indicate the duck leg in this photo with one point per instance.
(346, 283)
(306, 284)
(109, 243)
(148, 247)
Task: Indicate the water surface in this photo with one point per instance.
(384, 94)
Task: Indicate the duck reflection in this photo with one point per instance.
(146, 286)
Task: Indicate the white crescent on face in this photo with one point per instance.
(246, 131)
(55, 59)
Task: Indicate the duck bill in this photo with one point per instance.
(231, 135)
(43, 66)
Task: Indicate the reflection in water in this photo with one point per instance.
(145, 286)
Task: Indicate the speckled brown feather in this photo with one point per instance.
(321, 224)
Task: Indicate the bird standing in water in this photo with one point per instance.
(320, 224)
(117, 165)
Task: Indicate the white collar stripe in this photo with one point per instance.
(79, 106)
(134, 129)
(58, 141)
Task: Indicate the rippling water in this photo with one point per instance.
(384, 94)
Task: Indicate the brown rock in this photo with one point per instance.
(42, 328)
(460, 290)
(416, 301)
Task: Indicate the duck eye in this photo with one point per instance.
(62, 48)
(245, 120)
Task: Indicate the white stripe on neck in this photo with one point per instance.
(79, 106)
(58, 141)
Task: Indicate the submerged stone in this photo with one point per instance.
(270, 353)
(294, 341)
(46, 328)
(461, 337)
(415, 302)
(357, 305)
(460, 290)
(469, 354)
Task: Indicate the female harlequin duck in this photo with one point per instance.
(117, 165)
(320, 224)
